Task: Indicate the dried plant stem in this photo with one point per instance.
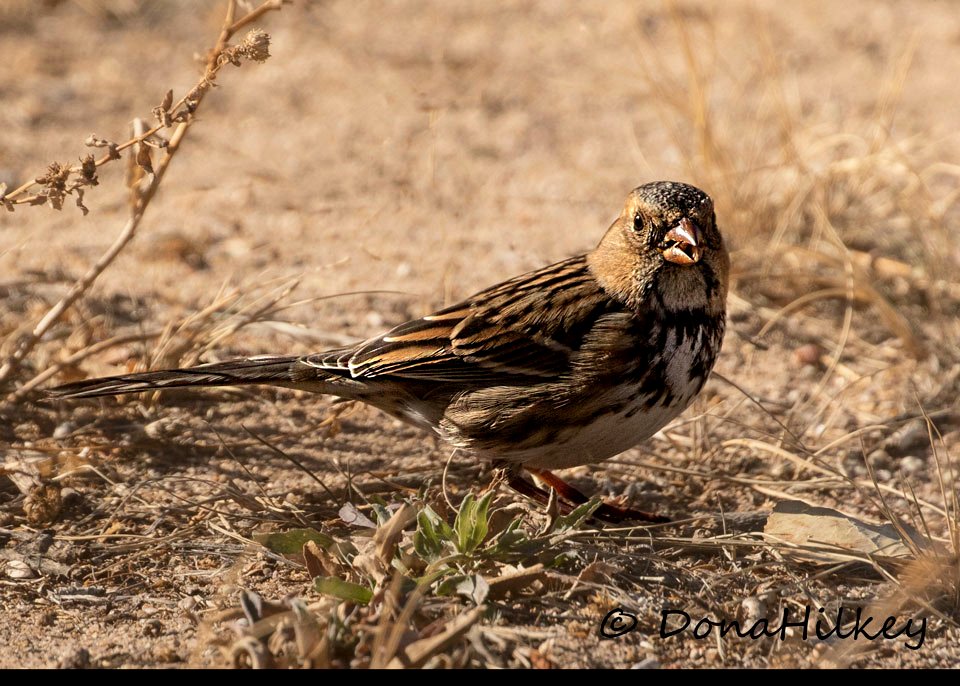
(253, 15)
(141, 195)
(77, 290)
(169, 114)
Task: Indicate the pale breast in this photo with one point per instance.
(633, 418)
(600, 422)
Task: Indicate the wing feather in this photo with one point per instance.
(503, 335)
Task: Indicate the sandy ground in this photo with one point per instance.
(407, 154)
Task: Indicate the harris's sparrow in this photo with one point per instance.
(567, 365)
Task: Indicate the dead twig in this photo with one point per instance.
(57, 183)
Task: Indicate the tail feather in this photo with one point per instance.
(278, 371)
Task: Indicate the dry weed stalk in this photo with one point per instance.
(143, 175)
(809, 209)
(791, 184)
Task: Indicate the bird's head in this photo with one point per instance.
(665, 249)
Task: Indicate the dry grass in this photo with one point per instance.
(143, 180)
(837, 388)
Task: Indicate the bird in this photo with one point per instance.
(567, 365)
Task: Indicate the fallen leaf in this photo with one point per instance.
(823, 533)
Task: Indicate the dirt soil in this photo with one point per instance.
(390, 158)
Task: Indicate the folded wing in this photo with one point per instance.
(525, 329)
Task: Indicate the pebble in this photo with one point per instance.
(235, 247)
(754, 609)
(912, 436)
(78, 658)
(155, 429)
(18, 569)
(188, 603)
(152, 627)
(808, 355)
(880, 459)
(64, 430)
(912, 465)
(71, 497)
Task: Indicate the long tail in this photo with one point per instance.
(275, 371)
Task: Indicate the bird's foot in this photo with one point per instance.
(611, 512)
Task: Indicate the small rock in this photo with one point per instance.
(63, 430)
(880, 459)
(152, 627)
(155, 429)
(808, 355)
(912, 465)
(235, 247)
(754, 609)
(18, 569)
(913, 436)
(646, 663)
(71, 497)
(78, 658)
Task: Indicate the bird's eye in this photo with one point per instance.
(637, 222)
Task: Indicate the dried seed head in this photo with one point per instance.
(88, 170)
(256, 46)
(56, 175)
(55, 183)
